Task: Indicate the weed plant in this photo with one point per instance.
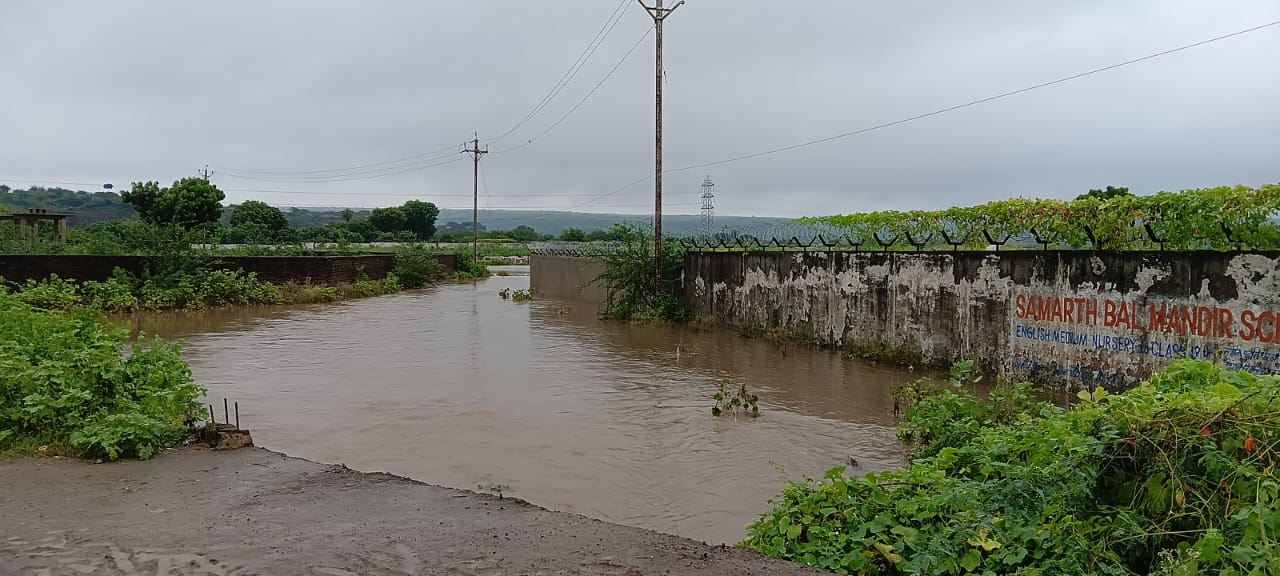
(1175, 476)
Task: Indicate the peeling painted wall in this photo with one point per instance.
(1073, 316)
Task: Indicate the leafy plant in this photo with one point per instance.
(1190, 219)
(64, 379)
(1176, 476)
(416, 267)
(634, 292)
(494, 488)
(730, 401)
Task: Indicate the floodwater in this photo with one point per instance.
(452, 385)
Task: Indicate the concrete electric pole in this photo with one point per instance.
(476, 152)
(659, 14)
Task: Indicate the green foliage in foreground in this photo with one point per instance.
(629, 277)
(64, 380)
(200, 289)
(1176, 476)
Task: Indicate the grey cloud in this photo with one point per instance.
(136, 90)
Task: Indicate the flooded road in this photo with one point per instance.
(454, 386)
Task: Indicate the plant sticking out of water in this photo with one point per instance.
(516, 295)
(494, 489)
(563, 310)
(731, 402)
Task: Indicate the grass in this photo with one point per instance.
(25, 447)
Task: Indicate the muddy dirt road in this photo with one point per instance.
(254, 512)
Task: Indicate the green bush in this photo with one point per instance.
(467, 267)
(1176, 476)
(65, 379)
(53, 293)
(629, 277)
(416, 267)
(116, 294)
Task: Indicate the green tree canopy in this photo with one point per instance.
(261, 213)
(1109, 193)
(189, 203)
(573, 235)
(524, 234)
(420, 218)
(388, 219)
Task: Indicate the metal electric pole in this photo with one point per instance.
(659, 14)
(476, 152)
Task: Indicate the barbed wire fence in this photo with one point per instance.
(807, 237)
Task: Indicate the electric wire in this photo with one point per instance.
(347, 169)
(944, 110)
(568, 76)
(584, 98)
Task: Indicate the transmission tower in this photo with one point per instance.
(708, 204)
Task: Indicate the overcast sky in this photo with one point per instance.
(123, 91)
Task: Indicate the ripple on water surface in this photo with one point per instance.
(453, 385)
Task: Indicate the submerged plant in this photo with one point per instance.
(494, 489)
(731, 401)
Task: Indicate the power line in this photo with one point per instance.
(584, 98)
(49, 182)
(369, 175)
(941, 110)
(568, 76)
(978, 101)
(405, 194)
(349, 168)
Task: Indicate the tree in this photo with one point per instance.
(388, 219)
(420, 218)
(261, 213)
(189, 203)
(524, 234)
(573, 235)
(348, 214)
(1109, 193)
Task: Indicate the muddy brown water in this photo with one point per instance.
(454, 386)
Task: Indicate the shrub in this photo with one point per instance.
(416, 267)
(65, 379)
(468, 268)
(116, 294)
(1176, 476)
(633, 291)
(53, 293)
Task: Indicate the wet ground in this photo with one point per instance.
(455, 386)
(253, 512)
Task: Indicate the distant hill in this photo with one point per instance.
(85, 207)
(90, 207)
(552, 222)
(544, 221)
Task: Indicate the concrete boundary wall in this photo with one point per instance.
(568, 278)
(1073, 316)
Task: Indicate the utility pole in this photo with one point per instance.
(205, 173)
(476, 152)
(659, 14)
